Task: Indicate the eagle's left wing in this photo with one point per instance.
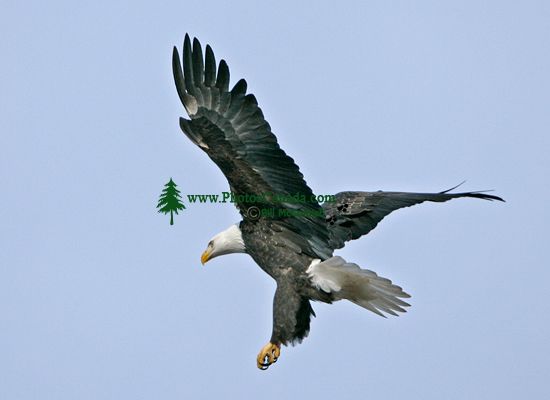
(230, 127)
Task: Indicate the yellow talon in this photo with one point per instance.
(268, 355)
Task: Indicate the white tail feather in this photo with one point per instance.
(360, 286)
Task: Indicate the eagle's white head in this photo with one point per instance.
(226, 242)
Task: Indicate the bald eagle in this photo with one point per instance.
(284, 229)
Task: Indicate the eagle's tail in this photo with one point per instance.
(361, 286)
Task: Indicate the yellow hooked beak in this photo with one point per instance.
(205, 256)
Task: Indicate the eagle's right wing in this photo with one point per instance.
(354, 214)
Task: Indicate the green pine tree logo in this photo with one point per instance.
(170, 200)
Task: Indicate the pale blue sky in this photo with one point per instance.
(101, 299)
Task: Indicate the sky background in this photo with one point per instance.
(101, 299)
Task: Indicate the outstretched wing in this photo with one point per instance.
(230, 127)
(354, 214)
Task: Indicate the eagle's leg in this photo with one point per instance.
(268, 355)
(291, 316)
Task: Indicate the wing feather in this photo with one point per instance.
(198, 65)
(222, 82)
(188, 67)
(209, 67)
